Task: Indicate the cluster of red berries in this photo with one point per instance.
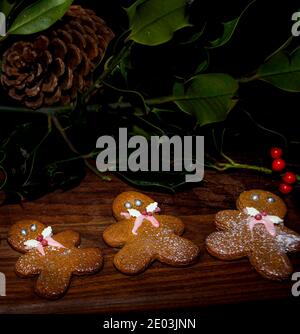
(278, 165)
(43, 241)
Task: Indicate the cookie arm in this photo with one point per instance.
(117, 234)
(227, 219)
(226, 245)
(173, 223)
(289, 239)
(68, 238)
(28, 265)
(177, 251)
(87, 261)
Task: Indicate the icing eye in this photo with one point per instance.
(23, 232)
(138, 202)
(271, 199)
(255, 197)
(33, 227)
(128, 205)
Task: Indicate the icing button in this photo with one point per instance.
(255, 197)
(127, 205)
(271, 199)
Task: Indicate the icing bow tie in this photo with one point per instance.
(256, 217)
(141, 216)
(43, 240)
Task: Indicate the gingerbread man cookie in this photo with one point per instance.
(53, 258)
(256, 231)
(146, 236)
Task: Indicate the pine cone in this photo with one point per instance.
(54, 66)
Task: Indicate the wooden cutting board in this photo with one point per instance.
(87, 209)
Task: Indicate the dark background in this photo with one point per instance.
(264, 117)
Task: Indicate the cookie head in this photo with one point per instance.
(22, 231)
(130, 200)
(262, 201)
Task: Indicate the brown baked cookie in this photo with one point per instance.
(256, 231)
(54, 259)
(146, 236)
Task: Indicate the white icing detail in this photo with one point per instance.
(275, 219)
(29, 244)
(47, 232)
(152, 207)
(134, 212)
(252, 211)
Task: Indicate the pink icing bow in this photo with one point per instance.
(141, 216)
(256, 217)
(45, 239)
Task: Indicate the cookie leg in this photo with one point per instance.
(87, 261)
(52, 284)
(134, 258)
(268, 258)
(177, 251)
(226, 245)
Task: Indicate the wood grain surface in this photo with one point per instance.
(87, 209)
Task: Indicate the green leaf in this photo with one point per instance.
(6, 6)
(39, 16)
(154, 22)
(282, 71)
(209, 97)
(228, 30)
(203, 66)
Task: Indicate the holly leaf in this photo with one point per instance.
(282, 70)
(209, 97)
(228, 30)
(153, 22)
(39, 16)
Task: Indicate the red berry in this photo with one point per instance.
(144, 213)
(276, 152)
(264, 214)
(44, 243)
(289, 178)
(258, 216)
(39, 238)
(285, 188)
(278, 165)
